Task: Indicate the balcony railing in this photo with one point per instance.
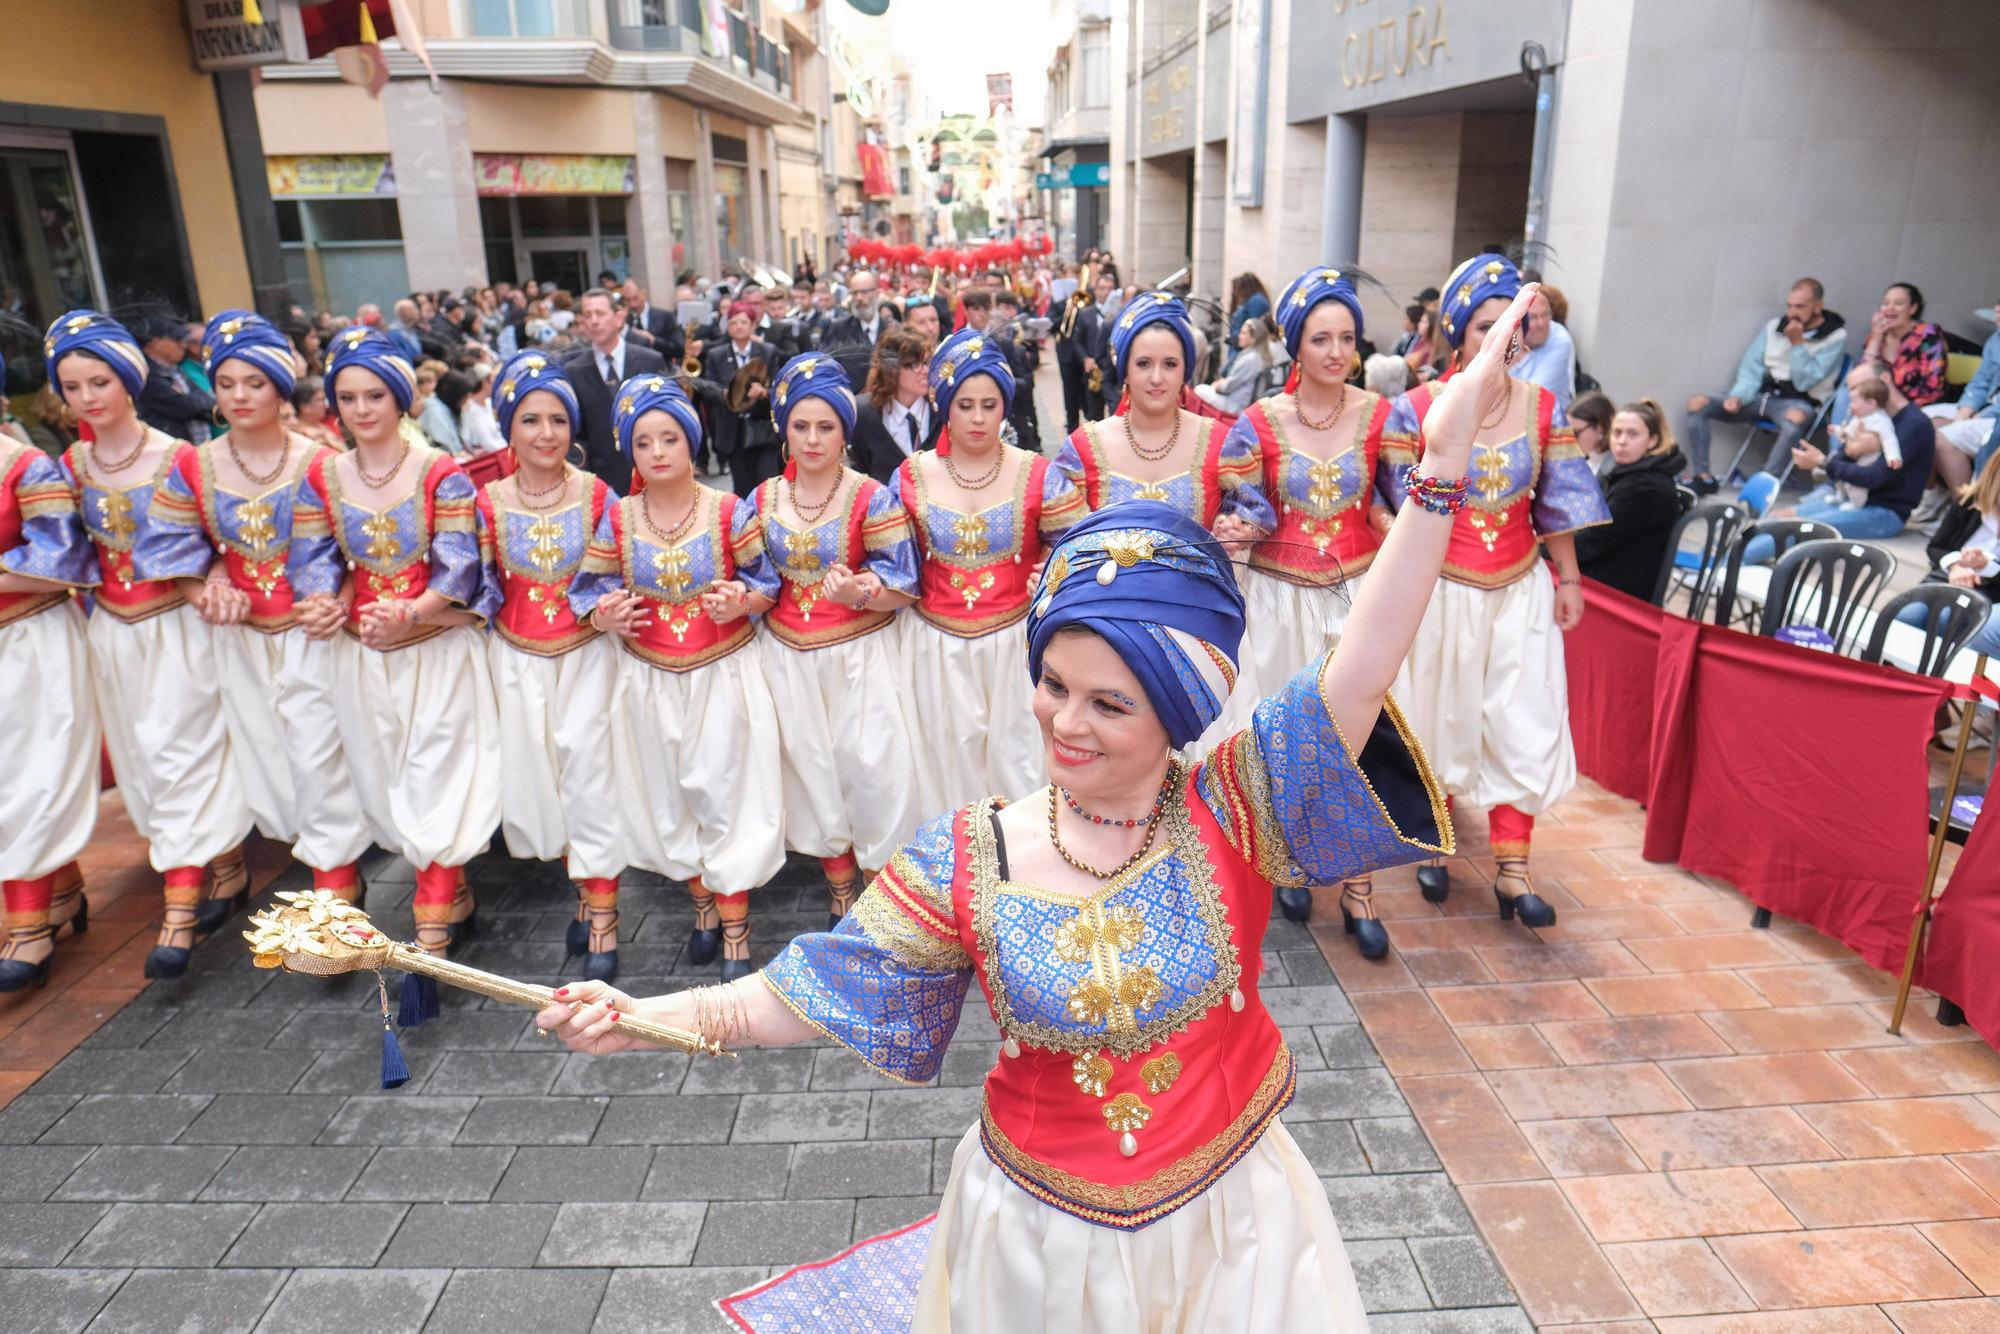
(655, 25)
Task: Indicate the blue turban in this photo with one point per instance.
(254, 341)
(812, 375)
(523, 374)
(370, 351)
(644, 393)
(1160, 590)
(1149, 308)
(102, 337)
(1471, 284)
(965, 354)
(1307, 291)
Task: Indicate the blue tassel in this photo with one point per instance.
(419, 1001)
(395, 1073)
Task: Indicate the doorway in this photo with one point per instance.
(564, 264)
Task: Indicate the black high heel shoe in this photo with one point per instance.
(704, 942)
(1296, 903)
(1434, 881)
(214, 911)
(1530, 907)
(19, 974)
(736, 936)
(576, 936)
(167, 960)
(1370, 936)
(601, 965)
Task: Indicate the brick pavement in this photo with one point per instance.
(219, 1150)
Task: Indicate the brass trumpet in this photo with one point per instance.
(691, 365)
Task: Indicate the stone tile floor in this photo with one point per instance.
(217, 1154)
(1663, 1119)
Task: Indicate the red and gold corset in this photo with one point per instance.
(1140, 1062)
(41, 535)
(116, 518)
(679, 635)
(864, 528)
(1323, 530)
(976, 565)
(532, 557)
(1225, 478)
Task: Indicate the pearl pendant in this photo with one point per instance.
(1236, 999)
(1107, 572)
(1017, 558)
(1128, 1144)
(1010, 1049)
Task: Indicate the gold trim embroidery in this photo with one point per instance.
(1160, 1073)
(1091, 1073)
(1125, 1113)
(961, 517)
(908, 943)
(1440, 810)
(833, 1037)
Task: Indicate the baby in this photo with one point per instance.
(1866, 434)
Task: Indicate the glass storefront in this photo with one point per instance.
(47, 260)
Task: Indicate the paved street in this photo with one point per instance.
(220, 1150)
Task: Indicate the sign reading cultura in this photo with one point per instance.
(1390, 50)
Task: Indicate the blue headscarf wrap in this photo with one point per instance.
(372, 352)
(1471, 284)
(254, 341)
(812, 375)
(102, 337)
(642, 394)
(1144, 310)
(523, 374)
(1160, 590)
(1307, 291)
(965, 354)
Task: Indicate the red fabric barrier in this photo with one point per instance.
(1965, 929)
(1611, 657)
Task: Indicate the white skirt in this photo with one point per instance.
(557, 794)
(1285, 626)
(1258, 1250)
(844, 724)
(159, 698)
(699, 774)
(1485, 691)
(332, 832)
(972, 715)
(422, 737)
(48, 805)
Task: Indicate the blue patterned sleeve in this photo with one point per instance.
(1401, 433)
(754, 565)
(889, 983)
(313, 564)
(1063, 506)
(603, 569)
(492, 584)
(1294, 798)
(1567, 495)
(1240, 471)
(171, 543)
(1069, 462)
(889, 542)
(457, 572)
(54, 545)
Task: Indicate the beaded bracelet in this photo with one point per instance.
(1434, 493)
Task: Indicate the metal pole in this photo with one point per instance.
(1534, 63)
(1938, 835)
(1340, 202)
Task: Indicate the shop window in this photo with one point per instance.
(528, 18)
(1096, 67)
(554, 215)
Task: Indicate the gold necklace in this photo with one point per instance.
(812, 516)
(999, 462)
(680, 527)
(1506, 398)
(1140, 450)
(377, 483)
(1152, 830)
(102, 467)
(1339, 406)
(284, 461)
(560, 490)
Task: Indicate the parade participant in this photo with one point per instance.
(837, 559)
(48, 805)
(222, 520)
(1129, 1162)
(1153, 448)
(385, 548)
(152, 657)
(1320, 443)
(984, 513)
(1490, 698)
(697, 739)
(554, 679)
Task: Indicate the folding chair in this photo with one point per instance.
(1765, 426)
(1686, 497)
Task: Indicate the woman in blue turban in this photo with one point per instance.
(985, 514)
(153, 665)
(553, 675)
(1155, 447)
(222, 520)
(1319, 449)
(1494, 632)
(1129, 1158)
(702, 801)
(386, 564)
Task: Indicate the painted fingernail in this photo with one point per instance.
(562, 991)
(614, 1014)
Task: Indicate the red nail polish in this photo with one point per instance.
(562, 991)
(614, 1015)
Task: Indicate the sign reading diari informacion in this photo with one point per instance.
(1351, 55)
(219, 38)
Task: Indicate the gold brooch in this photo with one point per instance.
(1161, 1072)
(1091, 1073)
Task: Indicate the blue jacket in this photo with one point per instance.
(1896, 489)
(1978, 393)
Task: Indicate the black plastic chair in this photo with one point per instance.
(1686, 497)
(1952, 616)
(1784, 534)
(1719, 521)
(1827, 584)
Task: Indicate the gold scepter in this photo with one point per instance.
(318, 932)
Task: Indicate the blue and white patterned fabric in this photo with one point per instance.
(96, 335)
(870, 1288)
(523, 374)
(245, 336)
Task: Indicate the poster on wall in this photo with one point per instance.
(1251, 93)
(553, 173)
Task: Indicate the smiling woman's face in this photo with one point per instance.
(1099, 732)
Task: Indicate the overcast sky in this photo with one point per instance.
(951, 48)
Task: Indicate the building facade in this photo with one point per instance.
(1677, 164)
(1076, 149)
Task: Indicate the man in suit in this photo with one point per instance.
(649, 326)
(890, 431)
(1093, 331)
(852, 336)
(747, 440)
(597, 369)
(1069, 356)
